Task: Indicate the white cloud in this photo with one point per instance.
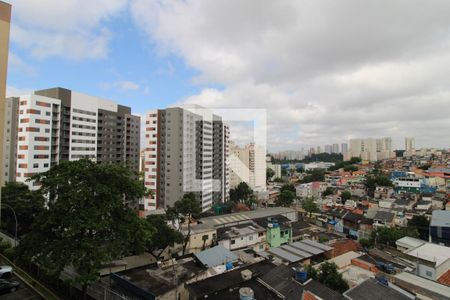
(124, 85)
(12, 91)
(18, 65)
(325, 70)
(71, 29)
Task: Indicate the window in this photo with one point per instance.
(45, 165)
(233, 242)
(35, 166)
(429, 273)
(250, 238)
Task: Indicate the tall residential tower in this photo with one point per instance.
(185, 151)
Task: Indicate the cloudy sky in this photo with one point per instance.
(326, 71)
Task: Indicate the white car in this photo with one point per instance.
(5, 272)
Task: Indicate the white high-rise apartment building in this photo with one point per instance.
(185, 151)
(370, 149)
(59, 124)
(410, 146)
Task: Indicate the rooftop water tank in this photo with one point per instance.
(246, 293)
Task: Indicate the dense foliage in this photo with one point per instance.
(87, 223)
(26, 204)
(314, 175)
(328, 275)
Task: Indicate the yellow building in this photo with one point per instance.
(5, 20)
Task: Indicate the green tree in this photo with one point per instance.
(284, 172)
(286, 198)
(288, 187)
(350, 168)
(164, 236)
(421, 224)
(376, 179)
(345, 195)
(310, 206)
(241, 193)
(329, 275)
(27, 205)
(355, 160)
(312, 272)
(269, 173)
(87, 222)
(328, 191)
(388, 236)
(365, 243)
(314, 175)
(184, 210)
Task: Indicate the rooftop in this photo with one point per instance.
(215, 256)
(431, 252)
(423, 283)
(246, 215)
(384, 216)
(226, 281)
(409, 242)
(370, 289)
(281, 280)
(440, 218)
(295, 252)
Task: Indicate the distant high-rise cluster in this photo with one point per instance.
(370, 149)
(248, 164)
(185, 151)
(53, 125)
(410, 146)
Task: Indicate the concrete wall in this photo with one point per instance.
(5, 19)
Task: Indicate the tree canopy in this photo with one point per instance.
(87, 222)
(421, 224)
(345, 195)
(314, 175)
(164, 236)
(184, 210)
(241, 193)
(328, 274)
(286, 198)
(310, 206)
(27, 205)
(269, 174)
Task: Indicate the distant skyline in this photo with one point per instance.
(326, 71)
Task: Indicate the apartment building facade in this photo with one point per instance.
(10, 123)
(5, 20)
(185, 151)
(59, 124)
(370, 149)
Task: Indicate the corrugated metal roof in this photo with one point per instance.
(215, 256)
(317, 245)
(285, 255)
(308, 248)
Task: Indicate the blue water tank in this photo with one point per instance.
(301, 275)
(229, 265)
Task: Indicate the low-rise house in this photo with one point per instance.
(440, 227)
(202, 236)
(351, 224)
(432, 261)
(386, 203)
(244, 235)
(383, 219)
(423, 206)
(383, 192)
(278, 230)
(312, 189)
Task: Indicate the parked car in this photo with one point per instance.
(5, 272)
(7, 286)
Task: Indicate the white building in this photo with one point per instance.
(186, 150)
(248, 165)
(410, 146)
(370, 149)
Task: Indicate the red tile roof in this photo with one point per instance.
(445, 278)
